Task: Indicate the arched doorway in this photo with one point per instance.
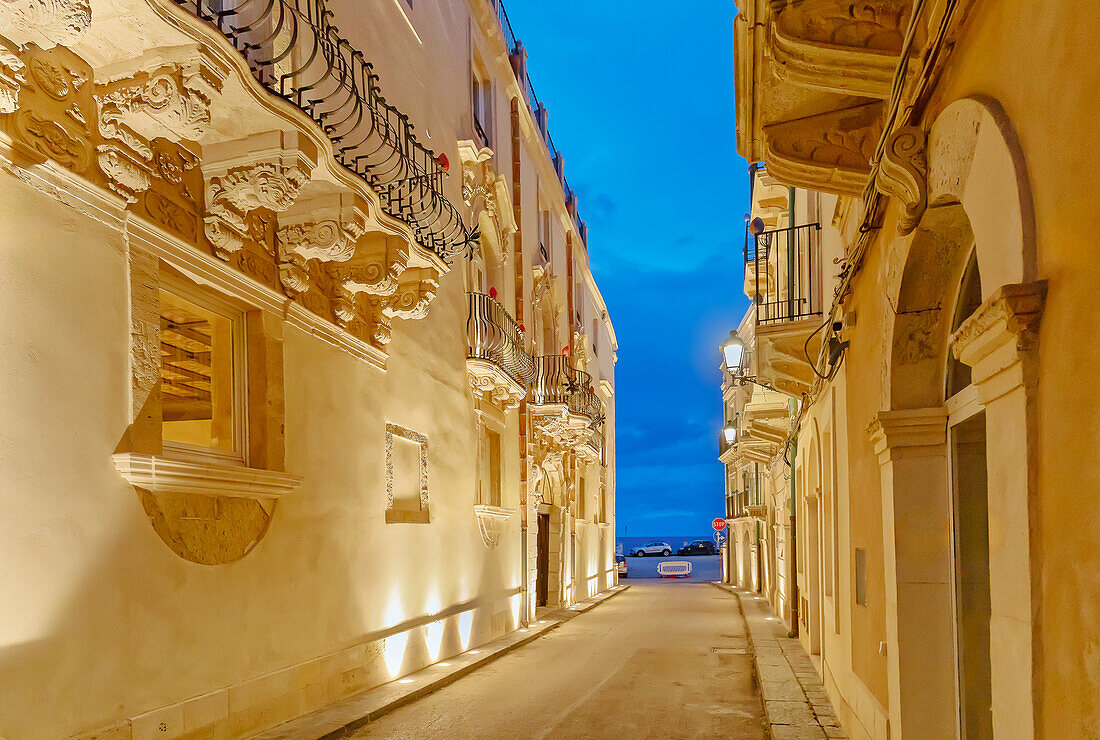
(956, 445)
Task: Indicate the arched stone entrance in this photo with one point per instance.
(979, 203)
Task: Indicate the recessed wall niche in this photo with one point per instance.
(406, 476)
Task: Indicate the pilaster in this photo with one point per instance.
(1000, 343)
(917, 562)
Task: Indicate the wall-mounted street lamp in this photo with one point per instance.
(733, 356)
(730, 431)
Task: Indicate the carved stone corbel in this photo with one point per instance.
(839, 46)
(127, 168)
(325, 228)
(165, 92)
(829, 151)
(903, 174)
(266, 170)
(415, 291)
(12, 76)
(46, 23)
(374, 269)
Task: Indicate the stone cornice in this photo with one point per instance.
(166, 475)
(908, 432)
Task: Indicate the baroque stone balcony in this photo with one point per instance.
(497, 364)
(812, 79)
(564, 405)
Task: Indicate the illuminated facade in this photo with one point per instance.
(923, 294)
(309, 384)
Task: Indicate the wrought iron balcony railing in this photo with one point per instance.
(296, 51)
(735, 505)
(494, 336)
(783, 264)
(558, 382)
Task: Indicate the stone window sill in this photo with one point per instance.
(402, 516)
(166, 475)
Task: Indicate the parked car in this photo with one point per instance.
(653, 548)
(697, 547)
(620, 565)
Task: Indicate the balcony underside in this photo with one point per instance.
(488, 378)
(785, 352)
(812, 78)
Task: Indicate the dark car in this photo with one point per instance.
(698, 547)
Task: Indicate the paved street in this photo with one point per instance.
(662, 660)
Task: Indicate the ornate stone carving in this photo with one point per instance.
(176, 184)
(55, 108)
(127, 170)
(839, 45)
(486, 377)
(830, 151)
(415, 291)
(491, 521)
(272, 185)
(375, 268)
(166, 92)
(47, 23)
(266, 170)
(12, 76)
(903, 171)
(324, 228)
(1008, 318)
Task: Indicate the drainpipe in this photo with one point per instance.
(794, 539)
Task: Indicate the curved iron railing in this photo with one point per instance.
(556, 381)
(295, 50)
(494, 336)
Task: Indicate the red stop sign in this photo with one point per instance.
(718, 524)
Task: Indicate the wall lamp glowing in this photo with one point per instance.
(733, 356)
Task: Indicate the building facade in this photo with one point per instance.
(309, 384)
(918, 263)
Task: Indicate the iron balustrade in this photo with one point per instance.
(296, 51)
(735, 505)
(784, 266)
(558, 382)
(494, 336)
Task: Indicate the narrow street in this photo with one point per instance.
(662, 660)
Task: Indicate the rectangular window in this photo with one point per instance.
(544, 234)
(494, 467)
(482, 98)
(861, 576)
(201, 373)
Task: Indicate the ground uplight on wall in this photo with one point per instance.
(407, 680)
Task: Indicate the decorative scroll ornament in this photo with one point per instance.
(172, 101)
(47, 23)
(839, 45)
(266, 170)
(903, 174)
(12, 76)
(324, 228)
(127, 170)
(375, 268)
(414, 294)
(56, 111)
(830, 151)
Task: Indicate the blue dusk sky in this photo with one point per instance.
(641, 105)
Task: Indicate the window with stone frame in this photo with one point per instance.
(202, 364)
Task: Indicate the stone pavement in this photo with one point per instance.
(343, 718)
(794, 698)
(666, 660)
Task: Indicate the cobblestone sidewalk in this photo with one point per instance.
(795, 700)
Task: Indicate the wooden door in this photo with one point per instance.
(542, 591)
